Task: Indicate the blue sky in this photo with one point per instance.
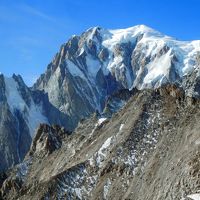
(31, 31)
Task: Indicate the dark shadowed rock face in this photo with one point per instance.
(47, 139)
(151, 142)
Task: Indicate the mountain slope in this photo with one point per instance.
(152, 142)
(22, 111)
(20, 116)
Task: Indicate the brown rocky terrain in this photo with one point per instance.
(148, 150)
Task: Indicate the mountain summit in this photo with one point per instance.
(99, 62)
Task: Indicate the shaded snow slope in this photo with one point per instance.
(32, 113)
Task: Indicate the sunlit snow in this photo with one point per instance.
(194, 196)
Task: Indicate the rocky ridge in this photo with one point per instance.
(152, 142)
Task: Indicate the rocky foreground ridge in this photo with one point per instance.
(149, 149)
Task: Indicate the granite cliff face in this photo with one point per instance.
(85, 90)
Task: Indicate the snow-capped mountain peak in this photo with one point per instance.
(89, 69)
(161, 52)
(97, 63)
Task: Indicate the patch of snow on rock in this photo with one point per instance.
(121, 127)
(102, 153)
(194, 196)
(106, 188)
(101, 120)
(14, 99)
(35, 117)
(93, 66)
(74, 70)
